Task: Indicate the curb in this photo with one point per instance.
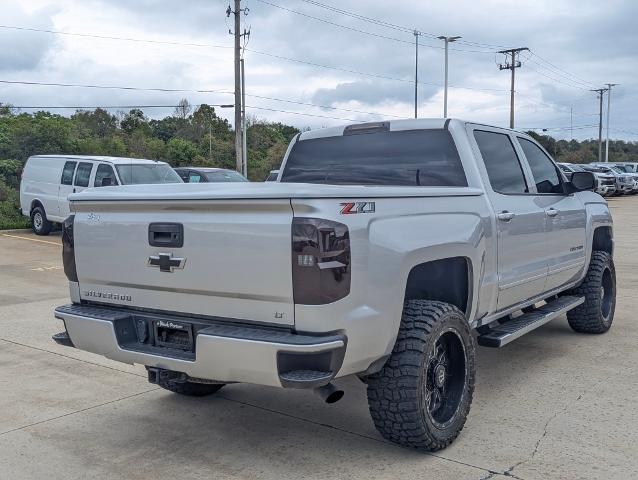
(17, 230)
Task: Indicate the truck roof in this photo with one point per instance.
(113, 160)
(393, 125)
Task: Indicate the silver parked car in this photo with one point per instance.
(627, 183)
(605, 183)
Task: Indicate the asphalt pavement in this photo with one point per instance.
(553, 404)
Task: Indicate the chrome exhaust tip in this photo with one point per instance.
(329, 393)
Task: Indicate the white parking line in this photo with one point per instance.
(31, 239)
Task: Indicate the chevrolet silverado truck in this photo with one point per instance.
(384, 250)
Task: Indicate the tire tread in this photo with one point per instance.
(393, 396)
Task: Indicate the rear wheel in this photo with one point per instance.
(596, 314)
(422, 395)
(39, 222)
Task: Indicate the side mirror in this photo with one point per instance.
(107, 181)
(582, 181)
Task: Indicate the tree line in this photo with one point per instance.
(188, 137)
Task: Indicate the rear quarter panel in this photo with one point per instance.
(385, 246)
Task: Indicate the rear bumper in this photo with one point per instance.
(223, 351)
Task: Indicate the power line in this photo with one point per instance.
(225, 92)
(566, 128)
(110, 37)
(393, 26)
(368, 74)
(257, 52)
(323, 20)
(107, 107)
(110, 107)
(552, 76)
(553, 68)
(358, 30)
(108, 87)
(560, 69)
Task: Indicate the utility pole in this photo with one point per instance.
(447, 41)
(238, 104)
(511, 66)
(600, 92)
(416, 71)
(244, 150)
(609, 85)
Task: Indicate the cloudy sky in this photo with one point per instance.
(320, 66)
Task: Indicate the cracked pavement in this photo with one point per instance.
(553, 404)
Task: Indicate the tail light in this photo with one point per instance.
(68, 250)
(320, 261)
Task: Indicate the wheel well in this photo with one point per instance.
(36, 203)
(445, 280)
(603, 240)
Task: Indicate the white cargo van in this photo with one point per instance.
(48, 180)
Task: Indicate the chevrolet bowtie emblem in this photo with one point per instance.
(166, 262)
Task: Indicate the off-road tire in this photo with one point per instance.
(397, 395)
(191, 389)
(596, 314)
(39, 222)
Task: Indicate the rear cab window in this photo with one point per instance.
(503, 166)
(427, 158)
(67, 173)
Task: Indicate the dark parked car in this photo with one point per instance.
(205, 175)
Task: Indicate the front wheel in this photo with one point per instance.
(422, 396)
(596, 314)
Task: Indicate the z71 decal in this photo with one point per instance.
(357, 207)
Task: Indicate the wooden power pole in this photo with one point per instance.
(513, 65)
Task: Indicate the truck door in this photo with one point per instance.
(565, 218)
(520, 221)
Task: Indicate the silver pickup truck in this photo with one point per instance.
(384, 250)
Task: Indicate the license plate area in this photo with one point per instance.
(171, 334)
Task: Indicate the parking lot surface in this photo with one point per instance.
(554, 404)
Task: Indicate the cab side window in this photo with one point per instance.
(104, 176)
(503, 167)
(543, 169)
(83, 174)
(67, 173)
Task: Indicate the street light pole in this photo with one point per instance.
(416, 71)
(609, 85)
(447, 41)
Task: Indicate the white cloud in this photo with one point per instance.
(586, 38)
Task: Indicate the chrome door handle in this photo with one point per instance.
(505, 216)
(551, 212)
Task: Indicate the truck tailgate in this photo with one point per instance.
(235, 261)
